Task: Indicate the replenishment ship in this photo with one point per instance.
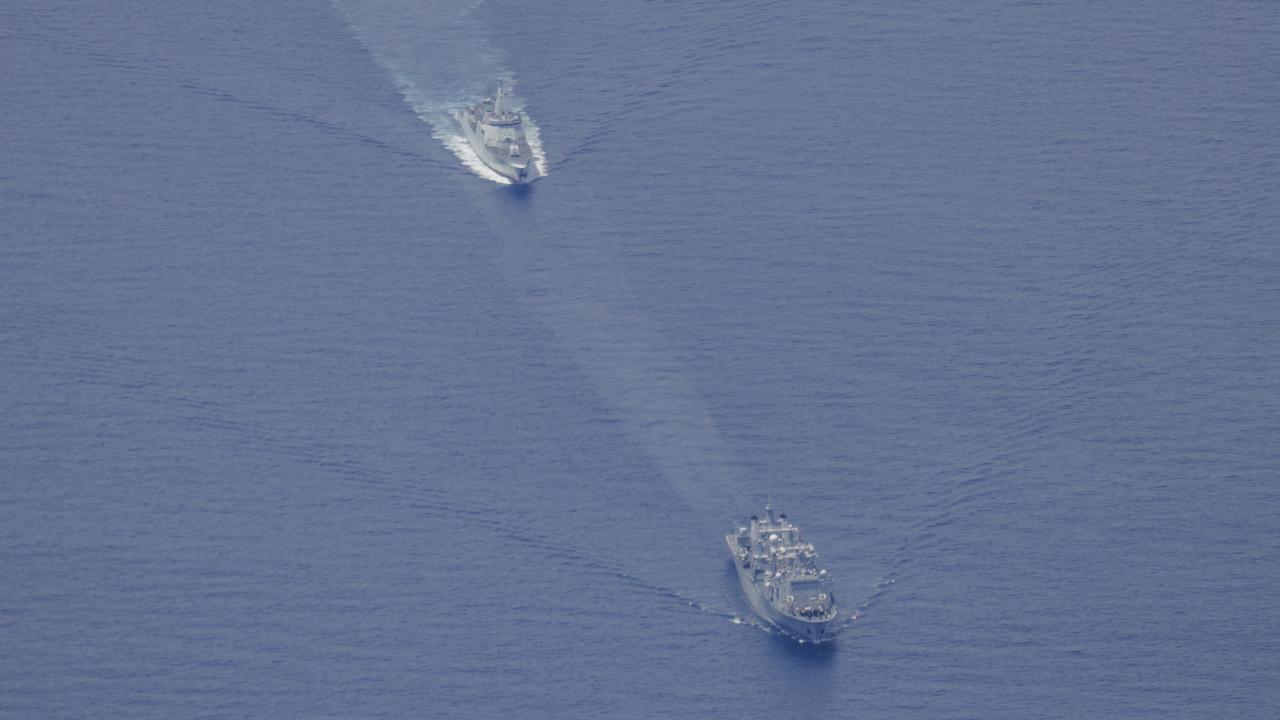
(781, 577)
(495, 130)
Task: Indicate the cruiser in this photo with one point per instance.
(780, 575)
(496, 132)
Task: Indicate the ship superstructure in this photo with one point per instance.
(495, 130)
(782, 579)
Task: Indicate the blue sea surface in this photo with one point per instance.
(305, 416)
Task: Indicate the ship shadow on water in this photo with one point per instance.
(804, 654)
(506, 206)
(500, 199)
(519, 193)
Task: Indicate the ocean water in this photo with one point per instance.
(304, 415)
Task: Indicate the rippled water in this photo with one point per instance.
(305, 417)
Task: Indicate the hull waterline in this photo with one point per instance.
(807, 631)
(496, 135)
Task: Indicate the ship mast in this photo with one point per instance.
(499, 102)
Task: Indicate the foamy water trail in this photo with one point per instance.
(441, 59)
(582, 293)
(629, 361)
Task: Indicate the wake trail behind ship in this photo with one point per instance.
(582, 293)
(440, 58)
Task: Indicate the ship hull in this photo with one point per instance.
(492, 160)
(809, 631)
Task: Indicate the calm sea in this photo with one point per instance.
(302, 415)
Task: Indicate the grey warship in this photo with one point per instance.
(495, 131)
(781, 578)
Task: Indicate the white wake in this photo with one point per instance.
(441, 59)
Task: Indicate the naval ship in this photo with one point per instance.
(496, 132)
(780, 575)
